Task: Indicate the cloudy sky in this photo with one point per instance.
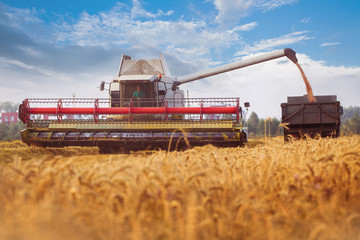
(57, 48)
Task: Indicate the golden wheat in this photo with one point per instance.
(307, 189)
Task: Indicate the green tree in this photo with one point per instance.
(260, 129)
(256, 126)
(350, 120)
(252, 124)
(274, 127)
(9, 106)
(349, 112)
(4, 129)
(354, 125)
(11, 132)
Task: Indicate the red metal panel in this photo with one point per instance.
(134, 110)
(96, 107)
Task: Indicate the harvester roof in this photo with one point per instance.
(135, 77)
(141, 67)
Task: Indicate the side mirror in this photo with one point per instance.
(341, 110)
(102, 85)
(246, 104)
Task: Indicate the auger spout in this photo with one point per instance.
(288, 52)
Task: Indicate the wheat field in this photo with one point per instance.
(308, 189)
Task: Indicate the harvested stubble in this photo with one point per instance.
(307, 189)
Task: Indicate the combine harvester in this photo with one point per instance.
(145, 110)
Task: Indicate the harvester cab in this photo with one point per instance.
(146, 81)
(145, 110)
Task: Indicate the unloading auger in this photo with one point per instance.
(145, 110)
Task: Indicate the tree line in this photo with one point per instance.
(350, 120)
(9, 106)
(259, 127)
(350, 124)
(12, 131)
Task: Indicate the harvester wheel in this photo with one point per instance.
(243, 138)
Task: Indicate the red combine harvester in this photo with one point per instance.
(145, 110)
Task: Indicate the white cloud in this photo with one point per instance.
(267, 85)
(31, 82)
(305, 20)
(35, 69)
(30, 51)
(267, 44)
(26, 20)
(116, 27)
(327, 44)
(228, 9)
(18, 16)
(138, 11)
(245, 27)
(16, 63)
(272, 4)
(230, 12)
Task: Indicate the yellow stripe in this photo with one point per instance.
(146, 125)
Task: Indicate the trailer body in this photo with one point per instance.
(303, 118)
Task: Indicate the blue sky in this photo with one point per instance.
(55, 48)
